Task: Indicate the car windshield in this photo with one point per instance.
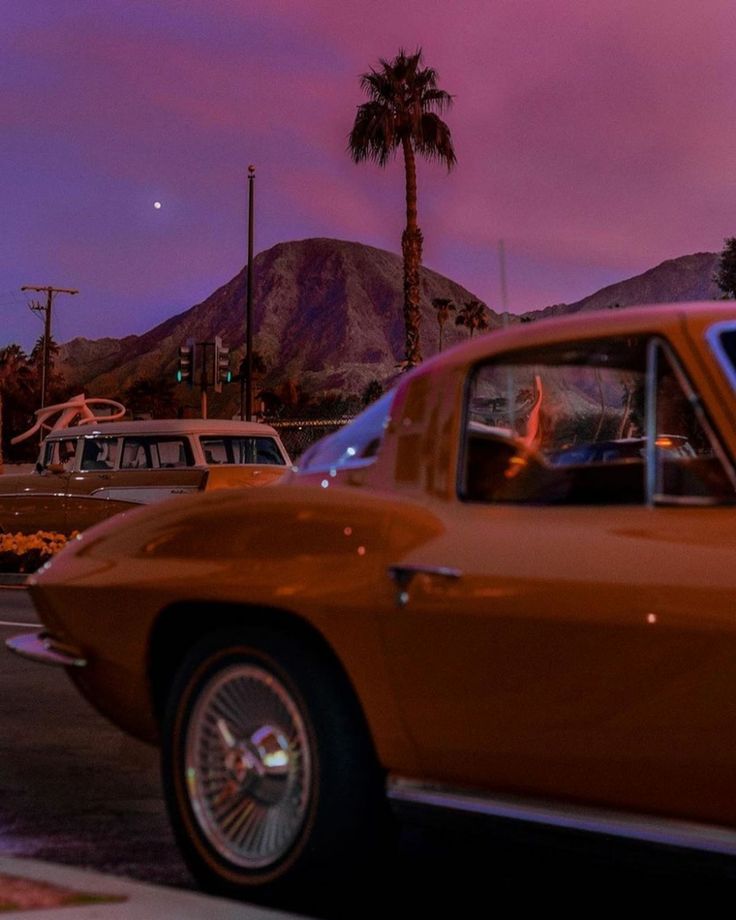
(353, 445)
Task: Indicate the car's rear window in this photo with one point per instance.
(151, 453)
(99, 452)
(238, 449)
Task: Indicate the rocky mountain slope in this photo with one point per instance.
(328, 314)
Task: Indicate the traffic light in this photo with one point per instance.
(223, 374)
(185, 370)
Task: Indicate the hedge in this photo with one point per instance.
(21, 552)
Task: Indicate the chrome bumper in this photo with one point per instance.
(43, 648)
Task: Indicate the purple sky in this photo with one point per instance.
(596, 138)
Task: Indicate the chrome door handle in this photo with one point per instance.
(403, 575)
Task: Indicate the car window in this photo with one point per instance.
(354, 445)
(689, 463)
(722, 338)
(240, 449)
(136, 455)
(59, 451)
(569, 425)
(99, 453)
(151, 453)
(49, 451)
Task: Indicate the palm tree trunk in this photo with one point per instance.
(411, 248)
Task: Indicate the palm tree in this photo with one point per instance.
(402, 112)
(55, 384)
(18, 385)
(473, 315)
(725, 277)
(152, 395)
(444, 307)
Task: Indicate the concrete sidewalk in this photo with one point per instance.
(51, 892)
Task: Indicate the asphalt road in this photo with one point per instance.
(76, 790)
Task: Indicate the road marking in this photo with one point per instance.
(12, 623)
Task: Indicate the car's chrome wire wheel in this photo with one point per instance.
(248, 768)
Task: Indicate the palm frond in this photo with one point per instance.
(434, 141)
(403, 103)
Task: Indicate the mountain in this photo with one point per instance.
(328, 314)
(684, 279)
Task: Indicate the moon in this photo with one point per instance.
(157, 205)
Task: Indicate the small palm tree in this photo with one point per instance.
(402, 113)
(725, 277)
(473, 315)
(372, 392)
(444, 307)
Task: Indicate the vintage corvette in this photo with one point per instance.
(91, 472)
(456, 601)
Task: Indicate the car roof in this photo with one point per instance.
(170, 426)
(589, 324)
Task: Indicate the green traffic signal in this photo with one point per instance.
(186, 359)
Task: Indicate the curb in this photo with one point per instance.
(124, 899)
(13, 580)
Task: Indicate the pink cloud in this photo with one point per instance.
(596, 138)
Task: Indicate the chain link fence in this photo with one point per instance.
(298, 434)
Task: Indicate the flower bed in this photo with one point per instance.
(22, 552)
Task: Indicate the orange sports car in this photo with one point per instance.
(508, 587)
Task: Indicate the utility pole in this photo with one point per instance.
(510, 396)
(504, 287)
(46, 310)
(249, 308)
(207, 372)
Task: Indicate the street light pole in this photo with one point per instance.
(249, 304)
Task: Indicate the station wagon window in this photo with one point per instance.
(357, 444)
(60, 451)
(99, 453)
(152, 453)
(238, 449)
(607, 422)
